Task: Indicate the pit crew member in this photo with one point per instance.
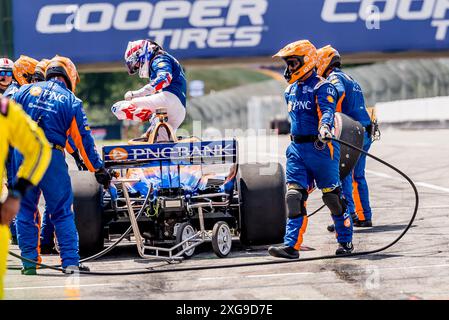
(56, 109)
(6, 66)
(23, 71)
(311, 156)
(47, 243)
(352, 103)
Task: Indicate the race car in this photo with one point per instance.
(180, 193)
(182, 200)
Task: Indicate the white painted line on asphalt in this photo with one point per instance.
(376, 173)
(383, 175)
(218, 278)
(421, 184)
(431, 186)
(65, 286)
(408, 207)
(278, 274)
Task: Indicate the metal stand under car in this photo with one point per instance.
(187, 238)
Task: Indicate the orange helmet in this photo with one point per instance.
(328, 58)
(300, 57)
(23, 69)
(39, 71)
(62, 66)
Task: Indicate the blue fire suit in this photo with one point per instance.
(167, 75)
(59, 113)
(47, 228)
(311, 103)
(352, 103)
(12, 165)
(11, 171)
(11, 90)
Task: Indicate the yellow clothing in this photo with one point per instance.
(19, 131)
(4, 242)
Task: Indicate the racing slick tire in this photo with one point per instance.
(262, 203)
(221, 239)
(184, 231)
(350, 131)
(87, 199)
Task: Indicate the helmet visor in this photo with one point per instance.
(132, 64)
(294, 63)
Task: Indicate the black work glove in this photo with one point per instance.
(103, 177)
(79, 162)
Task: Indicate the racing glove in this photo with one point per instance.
(325, 133)
(145, 91)
(129, 96)
(79, 162)
(103, 177)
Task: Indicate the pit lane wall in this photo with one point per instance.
(422, 111)
(94, 31)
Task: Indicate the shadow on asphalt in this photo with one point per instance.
(382, 228)
(203, 251)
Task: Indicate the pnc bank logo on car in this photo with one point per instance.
(349, 11)
(118, 154)
(205, 24)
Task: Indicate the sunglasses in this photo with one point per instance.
(6, 73)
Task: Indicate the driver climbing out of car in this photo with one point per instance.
(167, 87)
(56, 109)
(311, 155)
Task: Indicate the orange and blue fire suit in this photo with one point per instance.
(312, 103)
(352, 103)
(59, 113)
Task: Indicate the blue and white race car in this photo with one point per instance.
(178, 194)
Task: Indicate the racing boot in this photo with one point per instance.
(28, 271)
(283, 252)
(363, 223)
(344, 248)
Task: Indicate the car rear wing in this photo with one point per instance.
(167, 154)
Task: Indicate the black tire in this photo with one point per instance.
(87, 199)
(221, 245)
(350, 131)
(262, 204)
(180, 236)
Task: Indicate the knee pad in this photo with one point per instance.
(334, 202)
(296, 198)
